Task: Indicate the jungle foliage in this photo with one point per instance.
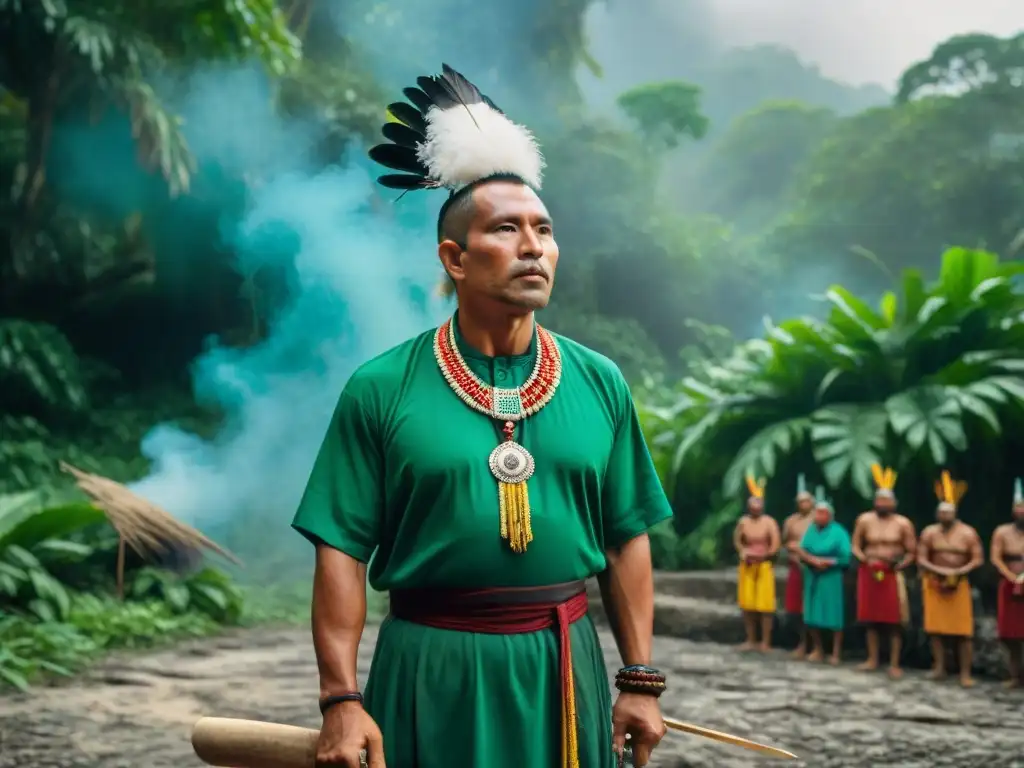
(709, 204)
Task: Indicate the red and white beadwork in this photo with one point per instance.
(502, 404)
(510, 463)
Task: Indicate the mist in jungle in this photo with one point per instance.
(358, 277)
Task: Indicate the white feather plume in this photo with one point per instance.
(465, 145)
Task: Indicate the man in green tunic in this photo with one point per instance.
(825, 553)
(479, 473)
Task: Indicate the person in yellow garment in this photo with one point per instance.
(947, 552)
(757, 539)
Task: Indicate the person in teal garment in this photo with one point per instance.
(825, 551)
(479, 473)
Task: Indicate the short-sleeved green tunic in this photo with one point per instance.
(402, 475)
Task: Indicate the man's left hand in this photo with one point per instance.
(638, 716)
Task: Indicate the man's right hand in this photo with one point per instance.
(347, 730)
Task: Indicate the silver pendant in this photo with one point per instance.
(511, 463)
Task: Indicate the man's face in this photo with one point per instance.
(946, 515)
(1018, 515)
(755, 506)
(511, 253)
(804, 505)
(884, 504)
(822, 516)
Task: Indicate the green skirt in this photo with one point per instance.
(445, 698)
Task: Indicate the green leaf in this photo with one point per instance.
(846, 441)
(63, 547)
(850, 314)
(43, 610)
(889, 306)
(14, 508)
(928, 416)
(14, 679)
(761, 453)
(52, 523)
(177, 596)
(972, 403)
(56, 669)
(21, 557)
(142, 584)
(214, 594)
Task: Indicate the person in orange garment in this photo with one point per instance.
(884, 543)
(757, 540)
(948, 551)
(1008, 558)
(793, 529)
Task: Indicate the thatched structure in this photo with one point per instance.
(145, 527)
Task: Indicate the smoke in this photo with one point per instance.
(358, 284)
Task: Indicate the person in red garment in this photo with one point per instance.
(793, 529)
(1008, 558)
(884, 544)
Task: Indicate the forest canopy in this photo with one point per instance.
(707, 205)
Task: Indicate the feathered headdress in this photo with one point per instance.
(1018, 492)
(885, 480)
(756, 487)
(820, 500)
(801, 488)
(949, 491)
(452, 136)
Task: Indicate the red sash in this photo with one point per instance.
(510, 611)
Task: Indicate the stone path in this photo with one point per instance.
(137, 712)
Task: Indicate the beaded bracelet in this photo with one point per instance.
(329, 701)
(639, 678)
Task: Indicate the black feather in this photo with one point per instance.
(461, 89)
(491, 104)
(399, 158)
(445, 91)
(401, 181)
(410, 116)
(402, 135)
(418, 98)
(437, 93)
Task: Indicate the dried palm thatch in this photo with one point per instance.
(143, 526)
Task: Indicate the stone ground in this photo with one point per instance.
(137, 711)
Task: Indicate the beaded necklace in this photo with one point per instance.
(510, 463)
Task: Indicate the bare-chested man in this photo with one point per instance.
(1008, 558)
(757, 541)
(884, 544)
(948, 551)
(793, 529)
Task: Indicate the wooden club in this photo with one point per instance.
(224, 741)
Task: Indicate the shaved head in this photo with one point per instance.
(453, 223)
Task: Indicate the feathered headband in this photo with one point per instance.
(821, 501)
(1018, 492)
(948, 491)
(885, 480)
(801, 488)
(452, 136)
(756, 487)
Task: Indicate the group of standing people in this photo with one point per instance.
(884, 544)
